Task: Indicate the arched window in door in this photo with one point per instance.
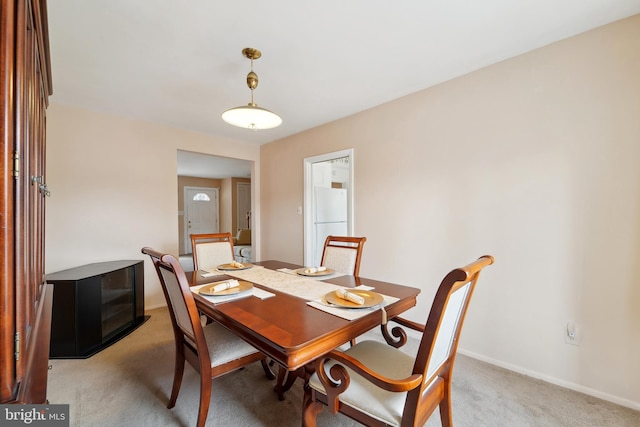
(201, 197)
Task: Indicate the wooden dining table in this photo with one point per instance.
(290, 331)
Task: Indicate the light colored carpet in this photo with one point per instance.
(128, 384)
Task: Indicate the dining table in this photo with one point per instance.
(286, 315)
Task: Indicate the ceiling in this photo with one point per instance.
(206, 166)
(180, 63)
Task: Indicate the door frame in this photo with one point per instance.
(309, 199)
(240, 225)
(185, 217)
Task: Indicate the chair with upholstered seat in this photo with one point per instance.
(343, 254)
(380, 385)
(211, 250)
(212, 350)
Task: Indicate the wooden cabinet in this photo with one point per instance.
(94, 306)
(25, 299)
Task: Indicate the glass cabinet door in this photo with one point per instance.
(117, 301)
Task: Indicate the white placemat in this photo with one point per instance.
(256, 292)
(353, 313)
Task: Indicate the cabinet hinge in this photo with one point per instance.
(17, 353)
(16, 164)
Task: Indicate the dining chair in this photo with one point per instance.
(211, 250)
(343, 254)
(212, 350)
(378, 384)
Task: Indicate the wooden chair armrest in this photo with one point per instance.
(408, 323)
(339, 380)
(398, 337)
(389, 384)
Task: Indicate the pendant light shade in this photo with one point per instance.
(251, 116)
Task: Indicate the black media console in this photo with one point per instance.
(94, 306)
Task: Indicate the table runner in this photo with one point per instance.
(325, 277)
(298, 286)
(309, 289)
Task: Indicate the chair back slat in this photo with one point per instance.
(343, 254)
(211, 250)
(340, 259)
(177, 302)
(449, 325)
(211, 255)
(185, 318)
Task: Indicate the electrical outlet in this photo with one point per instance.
(572, 333)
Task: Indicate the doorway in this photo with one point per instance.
(212, 171)
(328, 201)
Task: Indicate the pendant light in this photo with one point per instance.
(251, 116)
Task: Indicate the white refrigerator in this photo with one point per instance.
(329, 217)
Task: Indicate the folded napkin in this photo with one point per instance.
(210, 273)
(312, 270)
(223, 286)
(350, 296)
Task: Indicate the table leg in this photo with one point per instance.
(285, 380)
(280, 383)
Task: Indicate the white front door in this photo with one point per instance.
(201, 212)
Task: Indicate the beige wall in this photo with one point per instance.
(533, 160)
(113, 188)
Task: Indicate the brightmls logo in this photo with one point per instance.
(34, 415)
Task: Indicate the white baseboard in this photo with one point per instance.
(552, 380)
